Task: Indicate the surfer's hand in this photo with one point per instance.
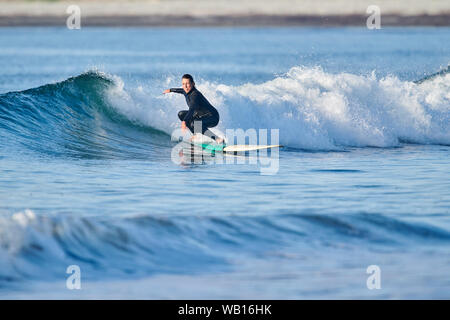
(166, 91)
(183, 126)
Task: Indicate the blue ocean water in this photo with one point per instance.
(88, 177)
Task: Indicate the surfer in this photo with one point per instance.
(200, 110)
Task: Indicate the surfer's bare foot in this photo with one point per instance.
(219, 140)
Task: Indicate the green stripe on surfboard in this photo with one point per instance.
(211, 147)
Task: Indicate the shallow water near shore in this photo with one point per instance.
(87, 176)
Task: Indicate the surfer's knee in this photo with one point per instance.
(182, 114)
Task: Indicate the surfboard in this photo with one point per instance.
(205, 143)
(233, 148)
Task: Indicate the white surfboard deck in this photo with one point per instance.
(249, 147)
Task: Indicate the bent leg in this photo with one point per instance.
(200, 125)
(209, 123)
(182, 114)
(190, 124)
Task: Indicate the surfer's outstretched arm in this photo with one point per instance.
(176, 90)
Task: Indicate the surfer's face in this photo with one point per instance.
(187, 85)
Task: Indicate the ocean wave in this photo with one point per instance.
(313, 109)
(318, 110)
(73, 118)
(96, 115)
(440, 73)
(41, 247)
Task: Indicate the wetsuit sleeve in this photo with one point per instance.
(177, 90)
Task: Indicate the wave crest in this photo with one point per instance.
(73, 118)
(95, 115)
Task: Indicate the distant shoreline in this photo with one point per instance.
(257, 20)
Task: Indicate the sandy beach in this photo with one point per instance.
(225, 13)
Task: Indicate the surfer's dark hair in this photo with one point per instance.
(188, 76)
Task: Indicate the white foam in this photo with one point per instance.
(311, 108)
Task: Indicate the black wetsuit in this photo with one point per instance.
(199, 110)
